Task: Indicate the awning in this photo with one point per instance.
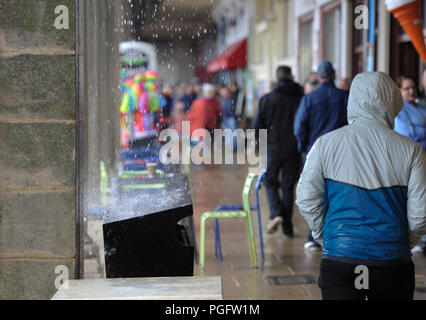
(234, 57)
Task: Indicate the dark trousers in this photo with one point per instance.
(282, 173)
(337, 281)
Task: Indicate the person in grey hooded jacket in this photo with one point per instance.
(362, 193)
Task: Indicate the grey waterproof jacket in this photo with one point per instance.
(362, 190)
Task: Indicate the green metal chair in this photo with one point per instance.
(245, 214)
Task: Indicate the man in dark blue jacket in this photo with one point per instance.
(320, 112)
(276, 114)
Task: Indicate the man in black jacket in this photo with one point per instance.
(276, 114)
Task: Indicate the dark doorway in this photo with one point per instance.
(404, 57)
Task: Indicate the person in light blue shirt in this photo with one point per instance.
(411, 121)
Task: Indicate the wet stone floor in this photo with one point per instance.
(288, 272)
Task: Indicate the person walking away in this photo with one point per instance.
(189, 97)
(311, 83)
(205, 112)
(310, 86)
(178, 116)
(411, 122)
(344, 84)
(320, 112)
(168, 94)
(362, 193)
(228, 113)
(276, 114)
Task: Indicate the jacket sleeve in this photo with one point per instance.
(416, 204)
(259, 121)
(311, 193)
(300, 129)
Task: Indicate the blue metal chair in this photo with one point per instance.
(218, 246)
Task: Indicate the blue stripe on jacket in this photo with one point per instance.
(366, 224)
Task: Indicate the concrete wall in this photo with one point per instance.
(104, 25)
(37, 148)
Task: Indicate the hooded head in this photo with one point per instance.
(374, 96)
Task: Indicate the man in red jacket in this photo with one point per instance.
(205, 112)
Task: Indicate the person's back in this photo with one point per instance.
(197, 115)
(320, 112)
(370, 165)
(362, 190)
(205, 112)
(276, 114)
(213, 113)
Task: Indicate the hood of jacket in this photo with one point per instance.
(288, 87)
(374, 96)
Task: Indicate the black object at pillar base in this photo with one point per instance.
(153, 245)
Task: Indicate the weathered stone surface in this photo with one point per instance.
(31, 24)
(31, 279)
(37, 87)
(37, 155)
(37, 224)
(37, 147)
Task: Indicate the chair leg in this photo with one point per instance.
(252, 245)
(202, 240)
(218, 245)
(259, 219)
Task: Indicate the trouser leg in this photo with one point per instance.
(337, 281)
(271, 181)
(392, 283)
(290, 175)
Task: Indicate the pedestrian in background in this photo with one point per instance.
(320, 112)
(344, 84)
(189, 96)
(205, 112)
(228, 113)
(311, 83)
(310, 86)
(362, 193)
(411, 121)
(276, 114)
(168, 94)
(178, 116)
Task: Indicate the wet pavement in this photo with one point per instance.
(288, 272)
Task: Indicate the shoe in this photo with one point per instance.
(312, 246)
(288, 231)
(418, 248)
(274, 224)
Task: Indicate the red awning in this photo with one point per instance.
(234, 57)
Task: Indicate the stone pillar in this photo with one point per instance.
(383, 41)
(347, 30)
(106, 25)
(37, 148)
